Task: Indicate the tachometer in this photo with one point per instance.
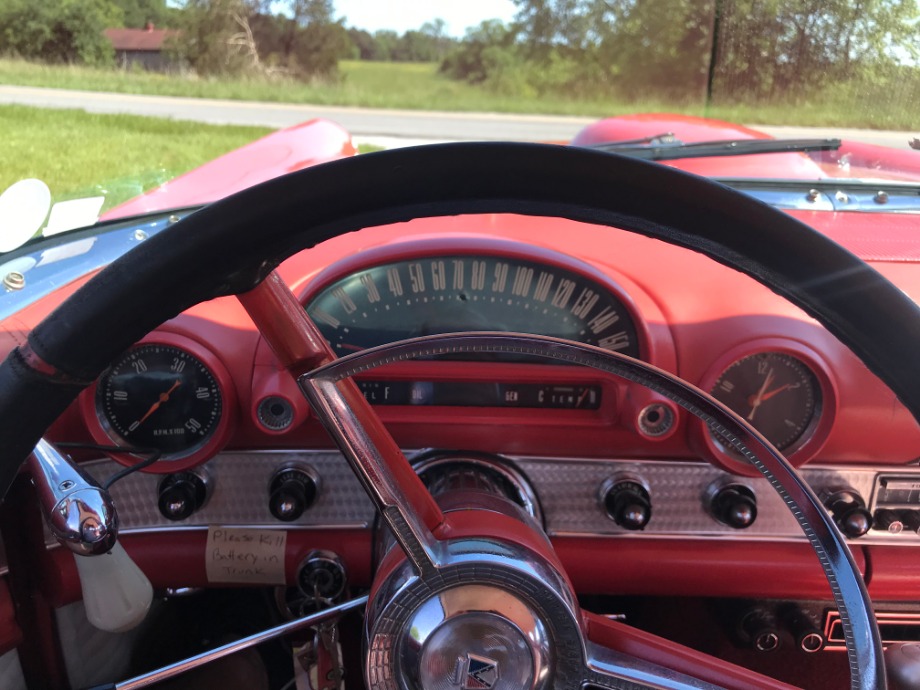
(159, 396)
(442, 294)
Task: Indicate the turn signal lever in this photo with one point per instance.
(82, 517)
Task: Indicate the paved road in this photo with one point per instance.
(388, 127)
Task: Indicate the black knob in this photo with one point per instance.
(759, 629)
(804, 630)
(291, 492)
(628, 504)
(180, 495)
(910, 519)
(902, 662)
(849, 512)
(734, 505)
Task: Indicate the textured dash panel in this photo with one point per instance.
(238, 493)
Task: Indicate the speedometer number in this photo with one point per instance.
(563, 293)
(471, 293)
(522, 277)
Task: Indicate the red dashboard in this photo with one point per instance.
(684, 314)
(687, 315)
(208, 392)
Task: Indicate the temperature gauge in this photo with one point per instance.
(467, 394)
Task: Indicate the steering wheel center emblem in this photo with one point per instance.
(477, 672)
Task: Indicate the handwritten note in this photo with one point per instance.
(253, 556)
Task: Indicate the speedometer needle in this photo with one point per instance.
(153, 408)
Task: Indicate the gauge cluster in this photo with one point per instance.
(174, 394)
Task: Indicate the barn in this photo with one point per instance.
(142, 47)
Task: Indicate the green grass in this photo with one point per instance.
(70, 150)
(419, 86)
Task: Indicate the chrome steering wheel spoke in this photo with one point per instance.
(334, 403)
(396, 491)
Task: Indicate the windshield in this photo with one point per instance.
(134, 106)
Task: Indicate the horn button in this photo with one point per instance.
(496, 614)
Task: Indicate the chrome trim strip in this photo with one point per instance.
(565, 487)
(608, 669)
(180, 667)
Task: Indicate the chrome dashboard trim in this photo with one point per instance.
(567, 490)
(64, 258)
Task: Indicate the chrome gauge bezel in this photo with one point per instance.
(105, 432)
(812, 438)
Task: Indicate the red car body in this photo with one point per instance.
(694, 318)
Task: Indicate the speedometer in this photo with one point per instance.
(444, 294)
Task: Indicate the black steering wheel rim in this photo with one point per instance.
(228, 247)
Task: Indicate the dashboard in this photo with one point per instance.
(206, 382)
(238, 445)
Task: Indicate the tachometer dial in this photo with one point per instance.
(442, 294)
(160, 396)
(776, 392)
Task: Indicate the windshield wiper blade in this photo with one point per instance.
(713, 149)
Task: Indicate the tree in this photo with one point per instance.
(766, 48)
(297, 38)
(387, 43)
(212, 37)
(476, 57)
(441, 43)
(301, 38)
(62, 31)
(138, 13)
(769, 48)
(365, 47)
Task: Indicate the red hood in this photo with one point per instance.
(318, 141)
(284, 151)
(852, 161)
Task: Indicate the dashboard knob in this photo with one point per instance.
(627, 503)
(291, 492)
(759, 628)
(902, 662)
(734, 505)
(910, 520)
(849, 511)
(808, 636)
(889, 520)
(180, 495)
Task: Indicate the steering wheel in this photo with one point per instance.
(232, 247)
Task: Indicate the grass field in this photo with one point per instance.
(419, 86)
(71, 150)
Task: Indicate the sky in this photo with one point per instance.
(400, 15)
